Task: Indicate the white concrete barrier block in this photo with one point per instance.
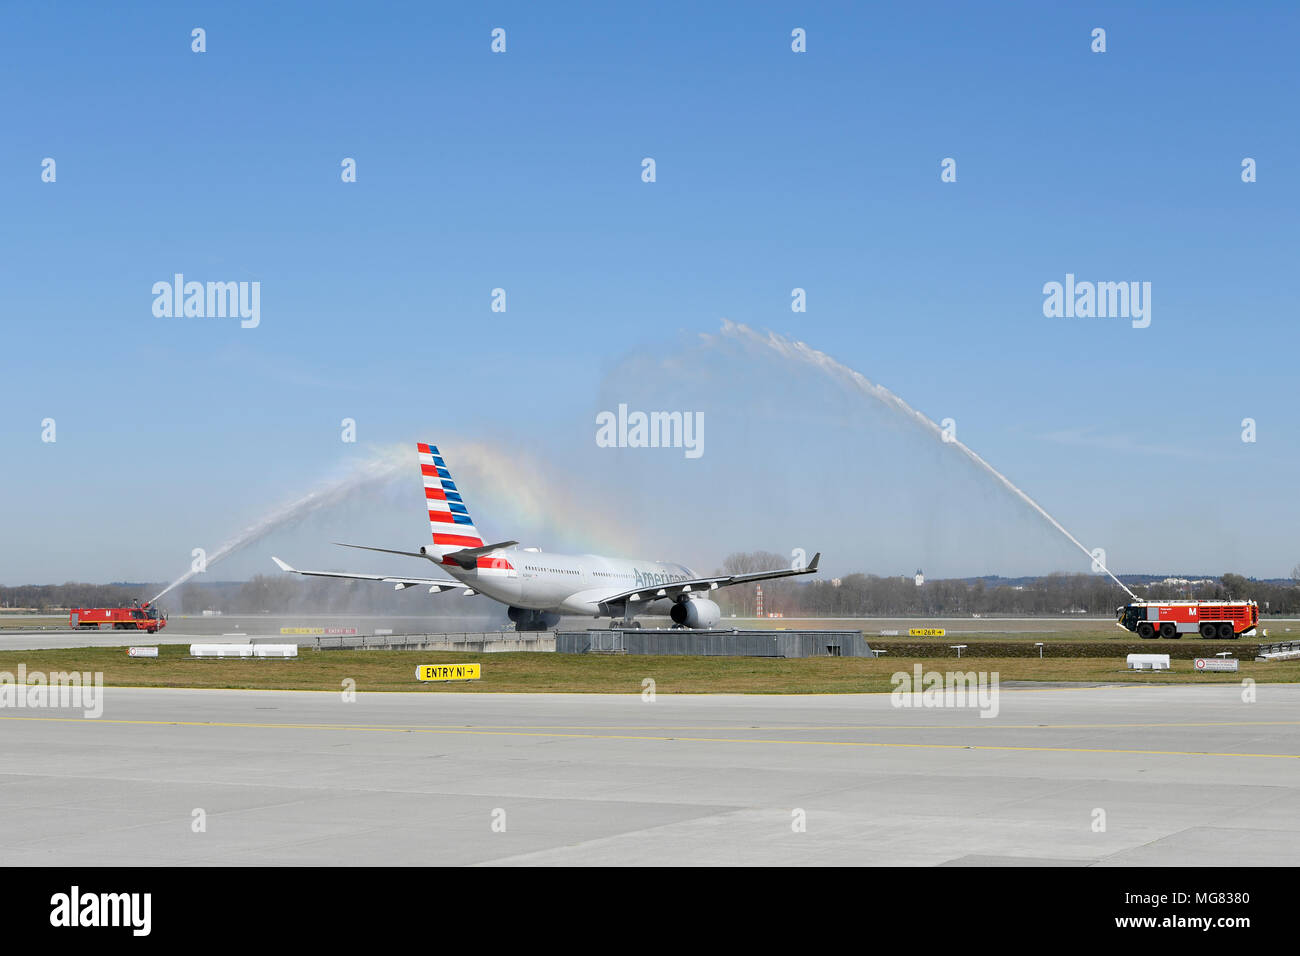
(1148, 662)
(221, 650)
(275, 650)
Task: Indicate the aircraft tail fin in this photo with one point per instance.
(449, 519)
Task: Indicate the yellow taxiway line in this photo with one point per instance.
(663, 737)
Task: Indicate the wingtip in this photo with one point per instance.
(812, 565)
(282, 566)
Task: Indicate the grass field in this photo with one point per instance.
(25, 622)
(556, 673)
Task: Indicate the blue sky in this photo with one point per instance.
(522, 170)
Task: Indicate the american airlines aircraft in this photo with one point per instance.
(538, 587)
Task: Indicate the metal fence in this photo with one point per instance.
(734, 643)
(1279, 646)
(1281, 650)
(469, 641)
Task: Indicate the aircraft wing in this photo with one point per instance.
(434, 584)
(653, 593)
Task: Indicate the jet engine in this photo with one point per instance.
(527, 619)
(698, 613)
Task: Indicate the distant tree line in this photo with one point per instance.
(854, 595)
(278, 594)
(869, 595)
(44, 597)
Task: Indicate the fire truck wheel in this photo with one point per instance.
(1168, 630)
(1226, 632)
(1146, 631)
(1209, 631)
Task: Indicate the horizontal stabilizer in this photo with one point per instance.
(467, 558)
(366, 547)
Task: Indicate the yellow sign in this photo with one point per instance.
(926, 632)
(448, 672)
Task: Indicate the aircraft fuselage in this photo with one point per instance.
(563, 583)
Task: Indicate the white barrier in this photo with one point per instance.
(275, 650)
(142, 652)
(221, 650)
(243, 650)
(1148, 662)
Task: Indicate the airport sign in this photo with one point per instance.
(1215, 664)
(439, 672)
(927, 632)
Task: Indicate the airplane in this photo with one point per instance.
(538, 587)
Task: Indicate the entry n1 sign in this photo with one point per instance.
(440, 672)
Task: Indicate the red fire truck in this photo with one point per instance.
(1209, 619)
(137, 617)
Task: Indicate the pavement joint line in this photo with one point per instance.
(657, 738)
(983, 724)
(1119, 683)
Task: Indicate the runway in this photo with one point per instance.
(1184, 775)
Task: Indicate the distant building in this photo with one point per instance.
(920, 578)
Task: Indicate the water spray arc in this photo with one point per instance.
(383, 467)
(800, 352)
(544, 502)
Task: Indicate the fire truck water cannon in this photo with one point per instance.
(1227, 620)
(137, 617)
